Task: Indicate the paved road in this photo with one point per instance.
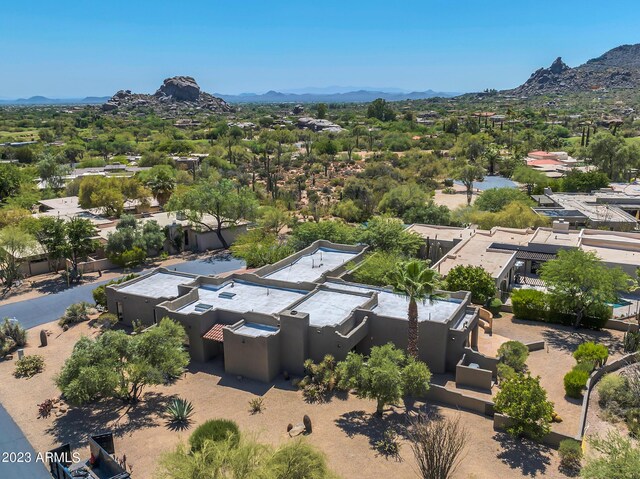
(44, 309)
(12, 440)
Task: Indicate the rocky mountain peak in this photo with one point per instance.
(558, 66)
(179, 88)
(617, 68)
(175, 96)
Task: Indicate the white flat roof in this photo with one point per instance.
(311, 267)
(242, 297)
(394, 305)
(158, 285)
(330, 308)
(256, 330)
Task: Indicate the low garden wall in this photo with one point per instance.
(620, 325)
(501, 422)
(595, 377)
(446, 396)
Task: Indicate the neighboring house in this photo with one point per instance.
(273, 319)
(514, 256)
(605, 208)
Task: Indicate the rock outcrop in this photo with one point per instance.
(618, 68)
(177, 95)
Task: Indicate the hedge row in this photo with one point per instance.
(537, 305)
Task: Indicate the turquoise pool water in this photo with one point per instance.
(620, 304)
(491, 182)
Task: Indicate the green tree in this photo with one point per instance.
(51, 171)
(529, 177)
(495, 199)
(613, 156)
(386, 376)
(430, 214)
(403, 198)
(474, 279)
(515, 215)
(524, 400)
(467, 175)
(161, 180)
(380, 110)
(14, 245)
(222, 200)
(79, 244)
(578, 282)
(321, 109)
(418, 282)
(51, 235)
(119, 365)
(389, 234)
(377, 268)
(305, 234)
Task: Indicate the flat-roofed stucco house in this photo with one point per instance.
(273, 319)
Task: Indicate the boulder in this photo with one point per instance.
(180, 88)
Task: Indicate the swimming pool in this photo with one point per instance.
(620, 304)
(492, 182)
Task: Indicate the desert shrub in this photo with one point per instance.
(514, 354)
(611, 389)
(320, 379)
(632, 419)
(45, 408)
(179, 411)
(388, 445)
(107, 321)
(594, 318)
(505, 372)
(256, 405)
(494, 306)
(29, 366)
(524, 400)
(570, 452)
(76, 313)
(631, 342)
(590, 351)
(130, 258)
(215, 430)
(529, 304)
(100, 293)
(574, 382)
(586, 366)
(474, 279)
(12, 330)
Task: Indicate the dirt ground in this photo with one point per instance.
(453, 201)
(343, 428)
(552, 363)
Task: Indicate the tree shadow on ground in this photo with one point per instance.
(112, 415)
(568, 339)
(373, 427)
(531, 458)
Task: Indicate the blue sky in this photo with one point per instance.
(68, 48)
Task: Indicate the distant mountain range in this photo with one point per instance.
(357, 96)
(43, 100)
(313, 95)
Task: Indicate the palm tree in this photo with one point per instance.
(417, 281)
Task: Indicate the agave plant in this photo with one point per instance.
(179, 410)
